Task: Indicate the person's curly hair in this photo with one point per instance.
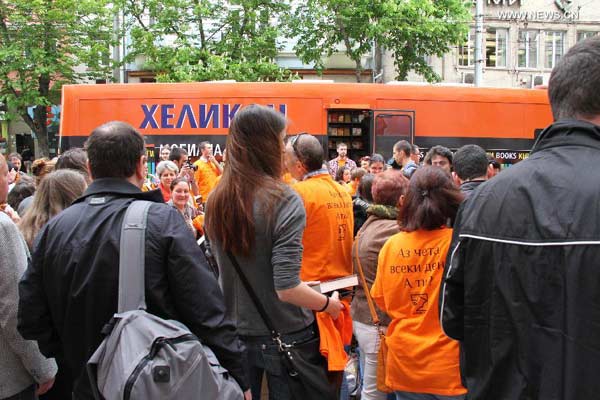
(42, 167)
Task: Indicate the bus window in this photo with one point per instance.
(393, 125)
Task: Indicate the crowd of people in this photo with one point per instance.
(473, 284)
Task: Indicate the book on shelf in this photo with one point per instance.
(336, 284)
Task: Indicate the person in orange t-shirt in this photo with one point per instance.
(328, 236)
(422, 362)
(208, 170)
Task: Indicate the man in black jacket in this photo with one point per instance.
(471, 166)
(70, 290)
(522, 286)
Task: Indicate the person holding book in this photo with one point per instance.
(387, 190)
(422, 362)
(327, 239)
(258, 219)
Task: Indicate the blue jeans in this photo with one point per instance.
(425, 396)
(263, 357)
(27, 394)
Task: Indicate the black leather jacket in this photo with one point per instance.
(467, 188)
(522, 282)
(70, 290)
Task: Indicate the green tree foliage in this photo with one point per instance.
(410, 29)
(199, 40)
(324, 27)
(43, 44)
(426, 28)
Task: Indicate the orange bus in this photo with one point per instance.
(369, 118)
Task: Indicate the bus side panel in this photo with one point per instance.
(187, 142)
(189, 116)
(474, 119)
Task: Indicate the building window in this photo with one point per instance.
(466, 52)
(582, 35)
(496, 41)
(528, 49)
(555, 47)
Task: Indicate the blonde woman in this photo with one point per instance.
(40, 168)
(55, 193)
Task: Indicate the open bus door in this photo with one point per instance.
(351, 125)
(390, 126)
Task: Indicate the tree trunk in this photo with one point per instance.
(378, 62)
(41, 130)
(40, 116)
(38, 123)
(358, 71)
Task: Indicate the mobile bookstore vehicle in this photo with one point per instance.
(369, 118)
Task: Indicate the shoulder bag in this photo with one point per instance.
(304, 366)
(383, 349)
(145, 357)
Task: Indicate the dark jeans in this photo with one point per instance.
(27, 394)
(263, 357)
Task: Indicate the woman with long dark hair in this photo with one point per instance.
(422, 362)
(258, 219)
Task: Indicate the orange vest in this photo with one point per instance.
(421, 359)
(328, 236)
(206, 177)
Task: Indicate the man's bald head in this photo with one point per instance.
(308, 150)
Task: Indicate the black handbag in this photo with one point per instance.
(305, 367)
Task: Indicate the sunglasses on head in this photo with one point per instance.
(293, 141)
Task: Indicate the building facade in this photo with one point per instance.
(522, 41)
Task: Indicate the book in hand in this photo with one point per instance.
(336, 284)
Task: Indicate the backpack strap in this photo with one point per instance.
(132, 251)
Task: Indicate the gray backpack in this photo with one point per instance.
(144, 356)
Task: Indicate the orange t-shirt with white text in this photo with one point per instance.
(328, 235)
(421, 358)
